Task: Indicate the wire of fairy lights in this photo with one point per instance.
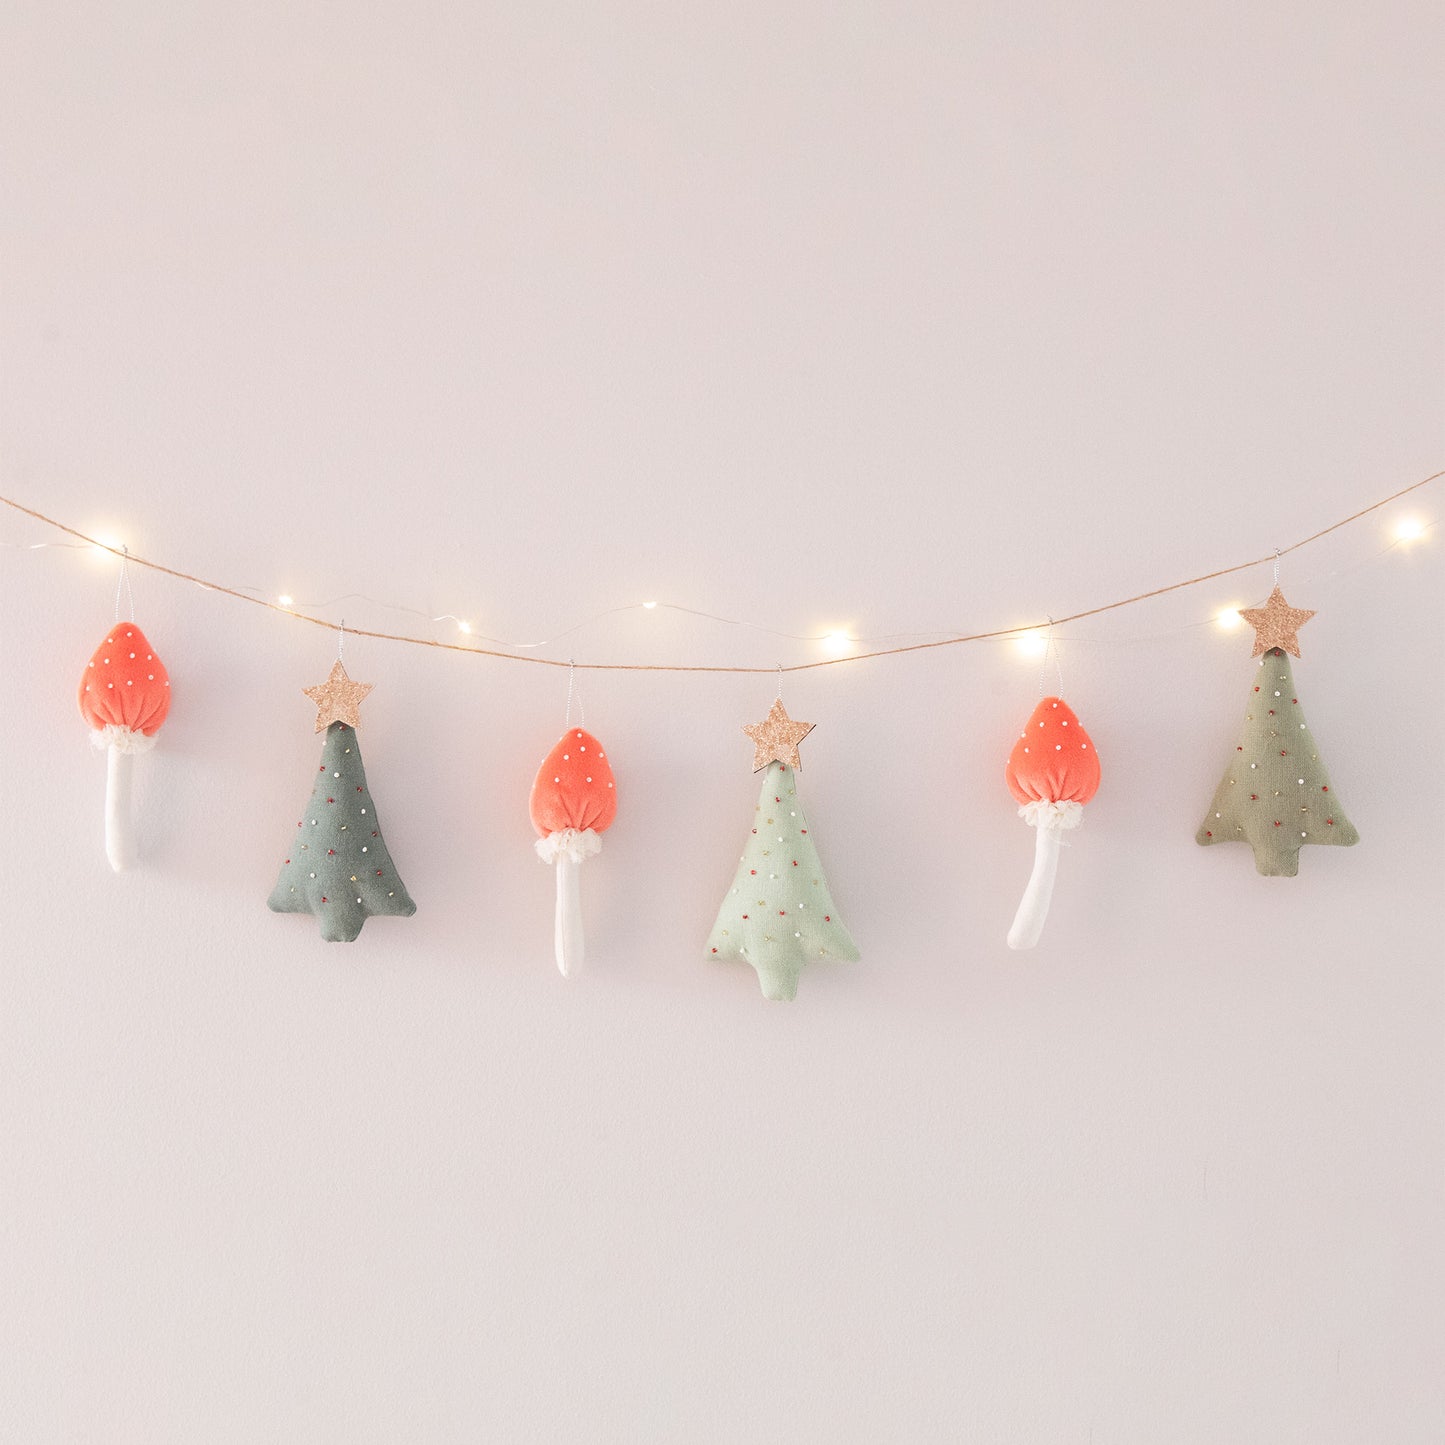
(287, 607)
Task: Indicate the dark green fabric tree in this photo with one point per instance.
(339, 868)
(1276, 794)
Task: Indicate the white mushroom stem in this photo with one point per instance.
(120, 745)
(566, 851)
(117, 809)
(571, 945)
(1052, 821)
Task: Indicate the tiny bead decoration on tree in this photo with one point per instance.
(339, 868)
(779, 913)
(1276, 794)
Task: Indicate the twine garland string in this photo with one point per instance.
(1273, 556)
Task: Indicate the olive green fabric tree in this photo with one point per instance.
(1276, 794)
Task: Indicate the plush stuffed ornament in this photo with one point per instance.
(778, 914)
(340, 869)
(124, 695)
(574, 801)
(1276, 795)
(1053, 771)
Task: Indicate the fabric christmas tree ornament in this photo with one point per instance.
(339, 868)
(124, 695)
(779, 913)
(573, 802)
(1276, 794)
(1052, 771)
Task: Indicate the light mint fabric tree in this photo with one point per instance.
(779, 913)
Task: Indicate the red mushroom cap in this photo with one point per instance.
(573, 788)
(1054, 759)
(124, 684)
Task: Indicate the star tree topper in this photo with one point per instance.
(1276, 624)
(338, 699)
(776, 738)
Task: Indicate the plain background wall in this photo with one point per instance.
(898, 318)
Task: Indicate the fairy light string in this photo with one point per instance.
(952, 641)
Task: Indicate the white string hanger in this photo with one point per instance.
(123, 580)
(1051, 648)
(574, 693)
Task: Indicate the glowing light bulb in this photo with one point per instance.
(465, 627)
(285, 601)
(105, 546)
(837, 643)
(1409, 529)
(649, 605)
(1229, 617)
(1032, 643)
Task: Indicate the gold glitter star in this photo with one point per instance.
(1276, 624)
(338, 699)
(776, 738)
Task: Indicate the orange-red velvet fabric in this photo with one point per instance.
(574, 787)
(1054, 759)
(124, 683)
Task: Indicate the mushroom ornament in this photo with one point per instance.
(573, 802)
(1276, 794)
(124, 696)
(779, 914)
(338, 867)
(1052, 771)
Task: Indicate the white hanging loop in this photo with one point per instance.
(1276, 566)
(1050, 646)
(573, 693)
(341, 640)
(779, 695)
(123, 580)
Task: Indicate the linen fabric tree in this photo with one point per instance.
(339, 868)
(1276, 794)
(779, 913)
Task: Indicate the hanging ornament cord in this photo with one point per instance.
(123, 581)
